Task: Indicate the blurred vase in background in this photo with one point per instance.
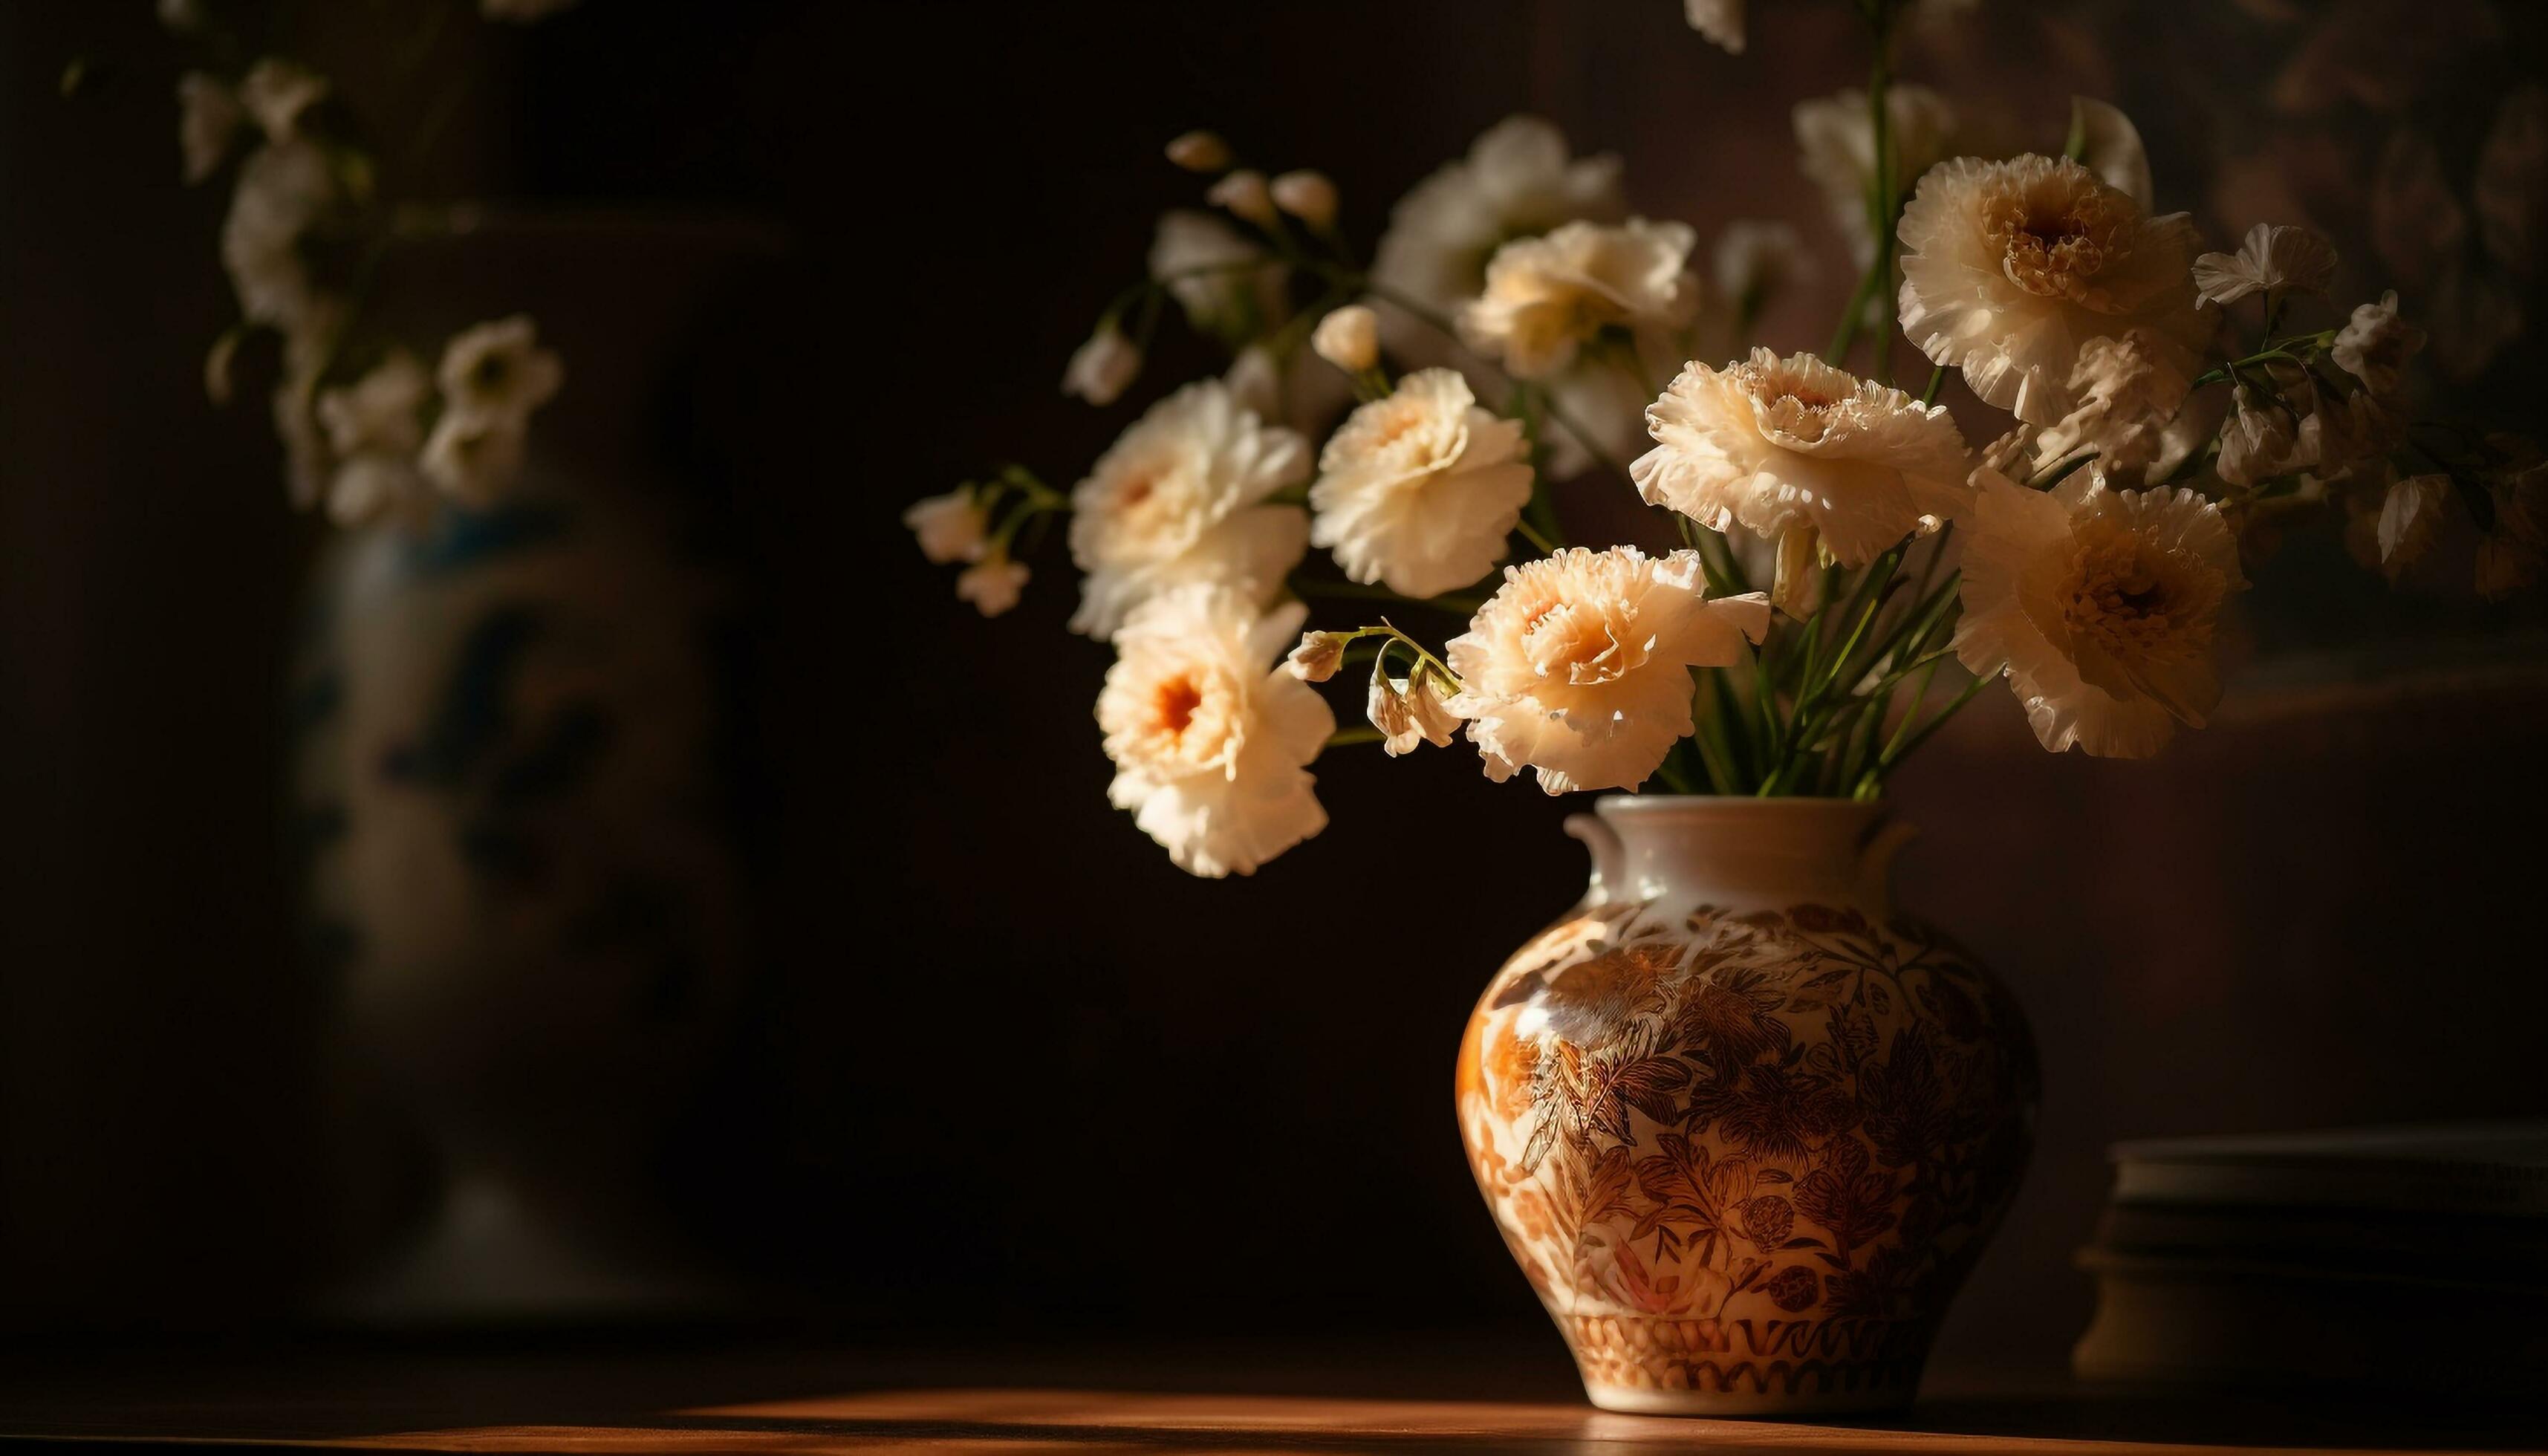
(520, 792)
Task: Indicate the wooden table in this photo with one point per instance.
(1410, 1396)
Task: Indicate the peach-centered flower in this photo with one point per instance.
(2102, 604)
(1778, 446)
(1420, 490)
(1180, 496)
(1209, 741)
(2009, 268)
(1548, 297)
(1579, 665)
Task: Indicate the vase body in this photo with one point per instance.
(1745, 1129)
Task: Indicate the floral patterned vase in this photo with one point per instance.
(1744, 1127)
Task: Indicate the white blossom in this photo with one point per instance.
(1579, 665)
(1179, 497)
(1548, 297)
(2009, 268)
(1211, 748)
(2272, 257)
(1101, 369)
(1420, 490)
(2102, 605)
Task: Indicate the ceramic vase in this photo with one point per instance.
(1745, 1129)
(516, 746)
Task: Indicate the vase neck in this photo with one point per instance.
(1744, 854)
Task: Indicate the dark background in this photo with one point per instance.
(1000, 1065)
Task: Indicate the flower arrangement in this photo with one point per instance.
(1837, 544)
(368, 430)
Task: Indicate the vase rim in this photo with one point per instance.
(1730, 803)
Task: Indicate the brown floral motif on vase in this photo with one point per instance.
(1749, 1155)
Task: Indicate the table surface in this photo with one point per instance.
(1409, 1395)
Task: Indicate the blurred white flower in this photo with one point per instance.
(1349, 338)
(1103, 367)
(951, 527)
(1244, 195)
(1419, 491)
(1579, 666)
(1720, 21)
(1199, 151)
(1836, 142)
(2102, 605)
(2375, 343)
(369, 486)
(276, 92)
(1296, 390)
(1794, 447)
(2110, 146)
(1211, 748)
(475, 457)
(1227, 286)
(284, 189)
(1180, 498)
(1516, 181)
(2011, 267)
(2512, 185)
(499, 369)
(381, 413)
(1755, 258)
(1547, 297)
(992, 585)
(209, 117)
(2129, 388)
(374, 427)
(2410, 516)
(1308, 196)
(2272, 257)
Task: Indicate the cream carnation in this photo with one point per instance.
(2102, 604)
(1179, 497)
(2009, 268)
(1782, 445)
(1579, 665)
(1419, 491)
(1518, 181)
(1211, 747)
(1547, 297)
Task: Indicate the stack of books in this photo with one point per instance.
(2395, 1259)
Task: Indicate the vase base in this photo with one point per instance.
(1650, 1400)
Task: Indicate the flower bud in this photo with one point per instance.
(1200, 151)
(1427, 708)
(1101, 368)
(1308, 196)
(1244, 194)
(1386, 710)
(1317, 657)
(1349, 338)
(951, 527)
